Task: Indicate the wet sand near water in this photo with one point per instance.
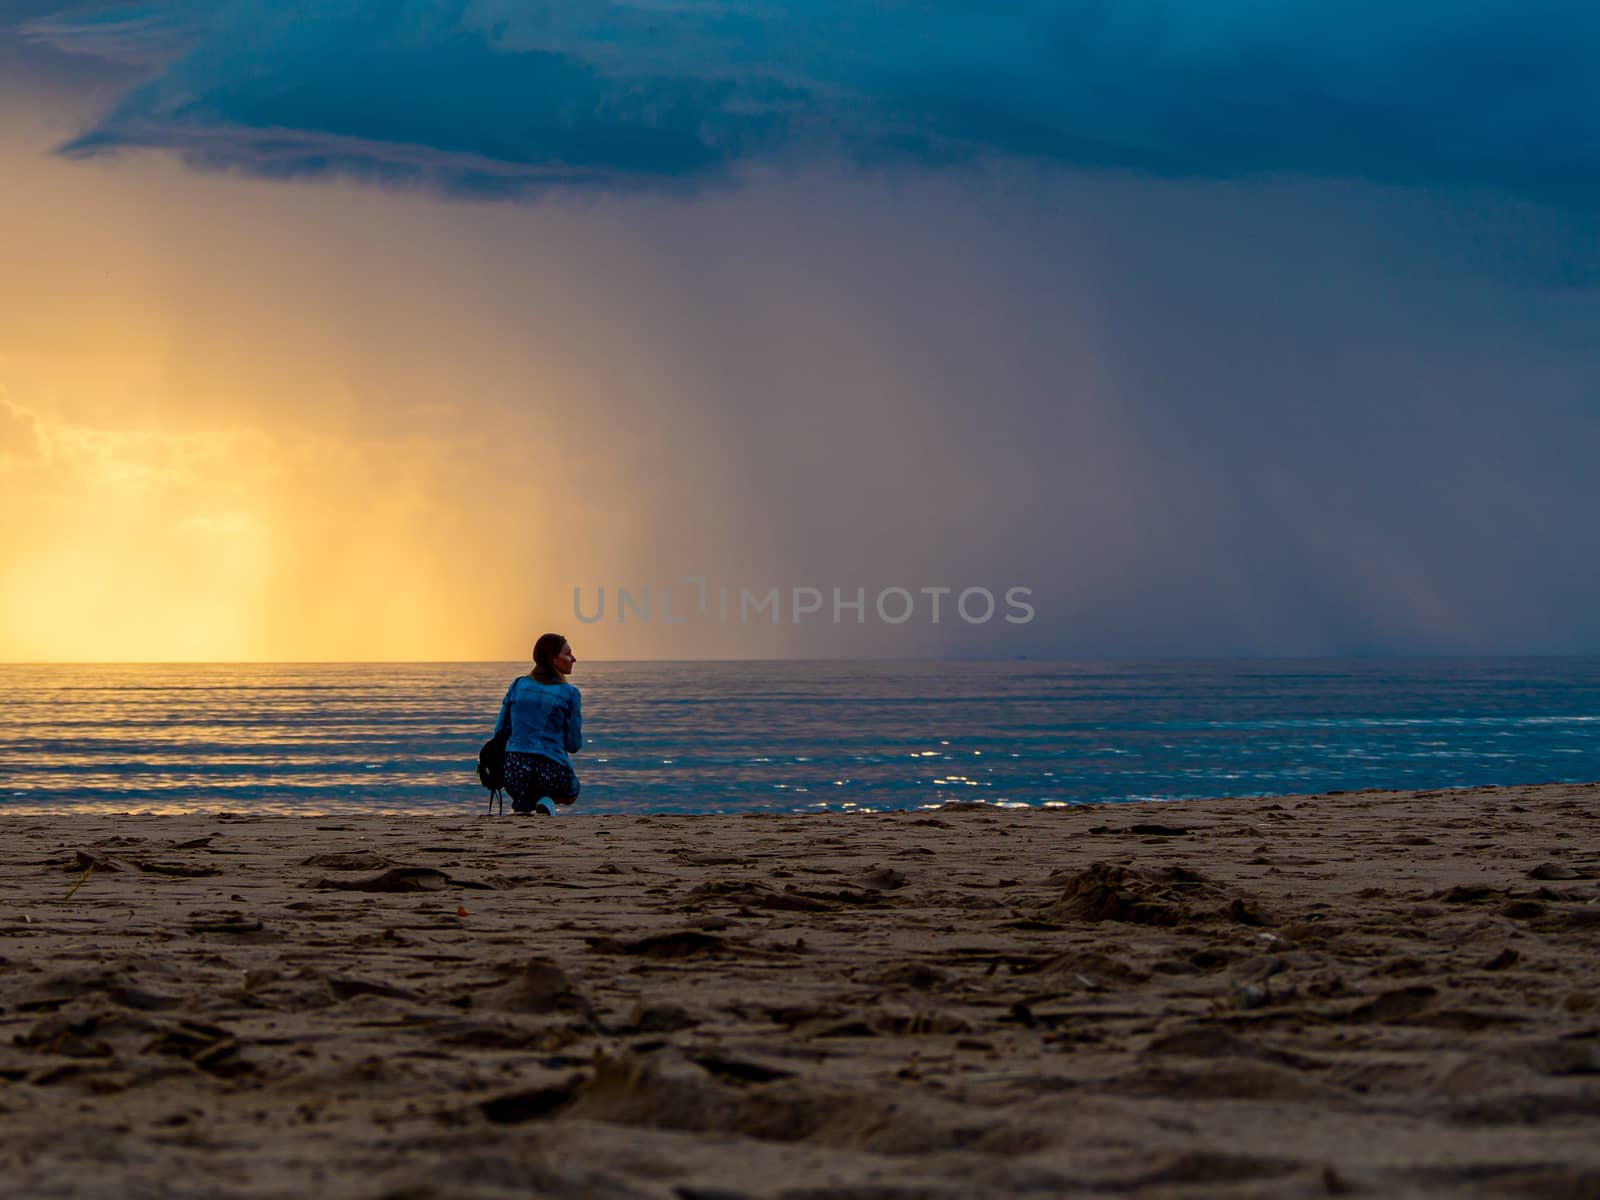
(1369, 994)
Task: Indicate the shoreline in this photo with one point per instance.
(1386, 993)
(475, 809)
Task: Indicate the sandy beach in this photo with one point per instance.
(1384, 994)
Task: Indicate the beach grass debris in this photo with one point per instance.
(82, 879)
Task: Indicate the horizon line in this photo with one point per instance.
(1013, 658)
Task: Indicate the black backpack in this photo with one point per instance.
(492, 768)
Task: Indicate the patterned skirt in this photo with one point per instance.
(530, 776)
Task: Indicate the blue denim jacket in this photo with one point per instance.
(544, 718)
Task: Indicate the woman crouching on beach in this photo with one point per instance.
(545, 716)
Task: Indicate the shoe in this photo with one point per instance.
(545, 808)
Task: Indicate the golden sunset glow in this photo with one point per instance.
(255, 437)
(254, 421)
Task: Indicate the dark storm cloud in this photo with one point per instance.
(507, 96)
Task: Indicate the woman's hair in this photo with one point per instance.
(544, 657)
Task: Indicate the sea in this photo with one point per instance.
(744, 737)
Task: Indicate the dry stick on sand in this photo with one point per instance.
(82, 879)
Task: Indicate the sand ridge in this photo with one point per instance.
(1369, 994)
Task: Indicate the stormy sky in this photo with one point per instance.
(373, 330)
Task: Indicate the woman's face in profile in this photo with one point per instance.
(564, 659)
